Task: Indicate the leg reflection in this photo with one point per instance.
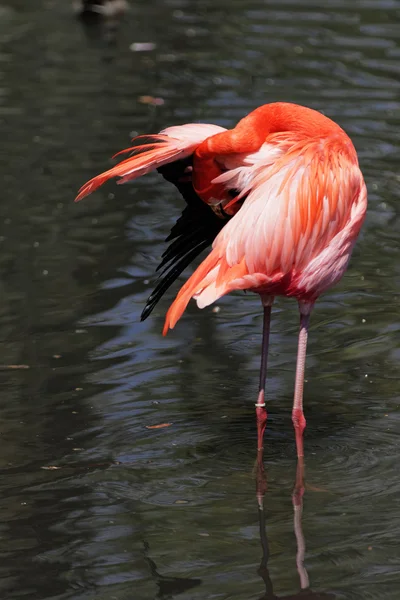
(305, 592)
(263, 568)
(297, 499)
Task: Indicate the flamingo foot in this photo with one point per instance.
(299, 424)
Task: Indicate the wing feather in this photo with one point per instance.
(292, 213)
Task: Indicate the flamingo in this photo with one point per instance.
(281, 199)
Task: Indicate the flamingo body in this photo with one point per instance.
(299, 201)
(280, 195)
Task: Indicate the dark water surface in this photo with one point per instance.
(136, 513)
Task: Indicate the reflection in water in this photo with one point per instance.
(305, 592)
(107, 9)
(100, 18)
(168, 586)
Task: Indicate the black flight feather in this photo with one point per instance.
(194, 231)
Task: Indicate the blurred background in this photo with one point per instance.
(92, 503)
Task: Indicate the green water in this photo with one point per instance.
(137, 513)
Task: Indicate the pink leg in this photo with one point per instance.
(298, 419)
(261, 413)
(260, 406)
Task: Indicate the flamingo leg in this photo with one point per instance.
(298, 419)
(261, 411)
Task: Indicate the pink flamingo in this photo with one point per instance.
(282, 200)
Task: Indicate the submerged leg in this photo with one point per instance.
(298, 419)
(260, 406)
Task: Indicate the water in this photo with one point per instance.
(128, 512)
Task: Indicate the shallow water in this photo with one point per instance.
(137, 513)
